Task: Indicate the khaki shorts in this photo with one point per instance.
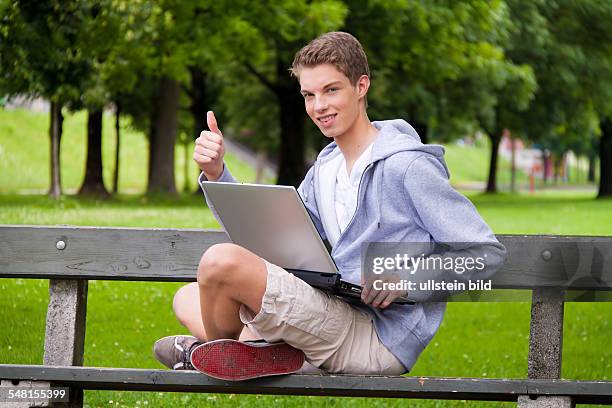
(334, 335)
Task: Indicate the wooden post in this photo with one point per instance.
(545, 345)
(65, 329)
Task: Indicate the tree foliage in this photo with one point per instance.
(541, 69)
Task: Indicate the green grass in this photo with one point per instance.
(125, 318)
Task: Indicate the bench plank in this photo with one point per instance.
(93, 378)
(173, 255)
(104, 253)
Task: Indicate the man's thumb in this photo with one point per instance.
(212, 123)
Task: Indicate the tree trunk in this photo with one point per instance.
(419, 126)
(186, 162)
(591, 172)
(512, 162)
(117, 133)
(94, 182)
(291, 168)
(545, 166)
(421, 129)
(492, 180)
(556, 159)
(260, 168)
(163, 137)
(198, 108)
(55, 135)
(605, 159)
(291, 165)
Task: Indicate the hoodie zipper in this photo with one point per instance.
(359, 200)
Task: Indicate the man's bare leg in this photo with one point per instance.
(186, 307)
(229, 276)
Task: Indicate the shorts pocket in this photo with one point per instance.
(321, 315)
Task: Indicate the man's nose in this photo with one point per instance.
(320, 103)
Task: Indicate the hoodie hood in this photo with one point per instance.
(394, 136)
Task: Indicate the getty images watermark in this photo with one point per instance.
(478, 271)
(431, 271)
(434, 264)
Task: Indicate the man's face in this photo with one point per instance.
(331, 101)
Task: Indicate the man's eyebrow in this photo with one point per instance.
(326, 86)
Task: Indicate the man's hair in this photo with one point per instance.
(337, 48)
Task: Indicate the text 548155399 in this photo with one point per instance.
(23, 394)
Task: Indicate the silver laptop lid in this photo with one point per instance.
(272, 222)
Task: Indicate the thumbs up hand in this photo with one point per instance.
(210, 149)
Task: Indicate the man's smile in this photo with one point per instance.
(327, 119)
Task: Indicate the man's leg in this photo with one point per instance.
(186, 306)
(231, 281)
(229, 276)
(216, 298)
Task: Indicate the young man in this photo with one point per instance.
(376, 182)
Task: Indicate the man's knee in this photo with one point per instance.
(186, 304)
(219, 263)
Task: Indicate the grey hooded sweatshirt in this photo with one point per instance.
(404, 196)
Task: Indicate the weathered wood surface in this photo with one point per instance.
(104, 253)
(173, 255)
(333, 385)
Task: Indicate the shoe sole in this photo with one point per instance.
(235, 361)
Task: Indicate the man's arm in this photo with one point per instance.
(451, 219)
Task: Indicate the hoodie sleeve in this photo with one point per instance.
(451, 219)
(226, 177)
(306, 190)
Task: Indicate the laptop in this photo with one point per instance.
(272, 222)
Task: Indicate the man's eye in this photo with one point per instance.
(306, 96)
(332, 90)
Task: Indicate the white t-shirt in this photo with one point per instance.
(347, 187)
(339, 193)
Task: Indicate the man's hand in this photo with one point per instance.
(380, 298)
(210, 149)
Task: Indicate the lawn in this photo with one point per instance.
(125, 318)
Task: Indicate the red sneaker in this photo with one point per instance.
(234, 360)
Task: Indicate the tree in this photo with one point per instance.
(100, 22)
(569, 47)
(40, 56)
(587, 25)
(171, 23)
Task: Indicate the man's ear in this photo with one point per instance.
(363, 84)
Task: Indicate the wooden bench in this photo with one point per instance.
(70, 256)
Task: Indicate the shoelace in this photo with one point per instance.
(185, 362)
